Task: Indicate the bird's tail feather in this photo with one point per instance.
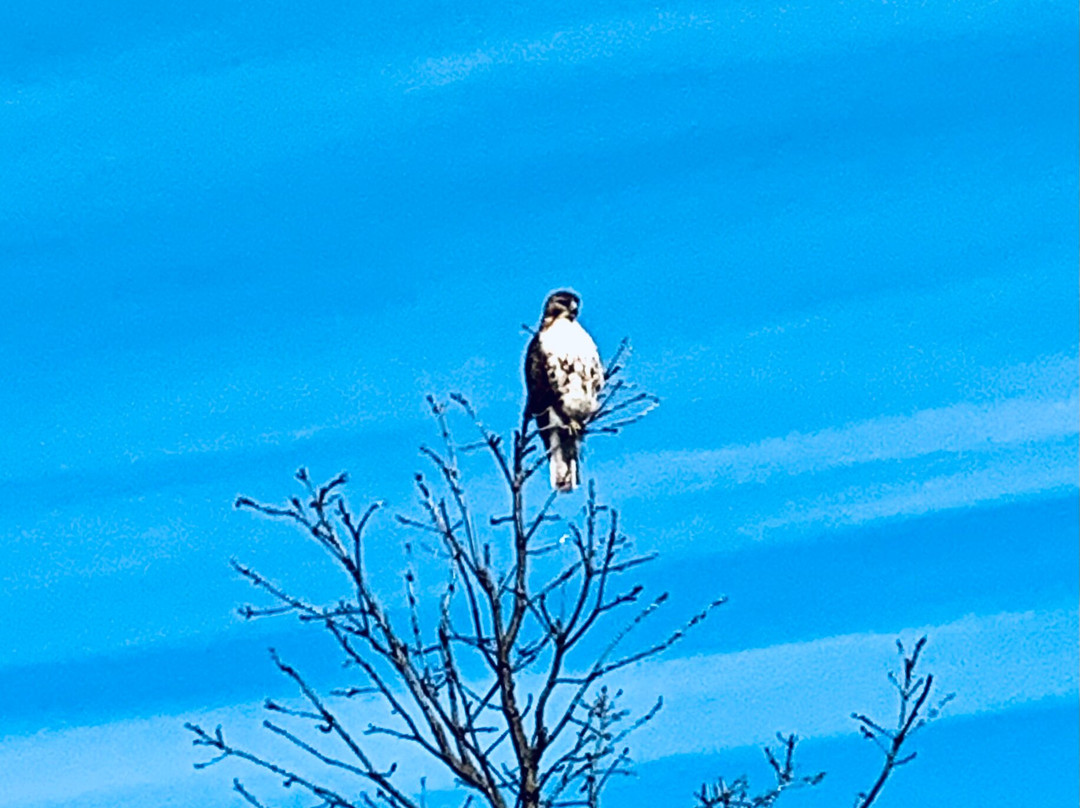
(563, 460)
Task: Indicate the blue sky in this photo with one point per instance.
(238, 238)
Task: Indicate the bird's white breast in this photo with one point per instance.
(566, 338)
(573, 366)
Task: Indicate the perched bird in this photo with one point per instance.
(563, 379)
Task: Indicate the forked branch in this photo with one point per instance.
(913, 691)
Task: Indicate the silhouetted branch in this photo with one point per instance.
(736, 794)
(913, 691)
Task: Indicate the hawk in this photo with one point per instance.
(563, 378)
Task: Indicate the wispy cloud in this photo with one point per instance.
(88, 759)
(713, 702)
(992, 663)
(750, 31)
(571, 45)
(956, 429)
(960, 455)
(1041, 472)
(86, 546)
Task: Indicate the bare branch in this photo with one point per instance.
(912, 692)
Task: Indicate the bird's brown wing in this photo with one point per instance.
(537, 380)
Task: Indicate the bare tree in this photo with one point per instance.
(504, 688)
(500, 677)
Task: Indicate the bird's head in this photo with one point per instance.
(560, 304)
